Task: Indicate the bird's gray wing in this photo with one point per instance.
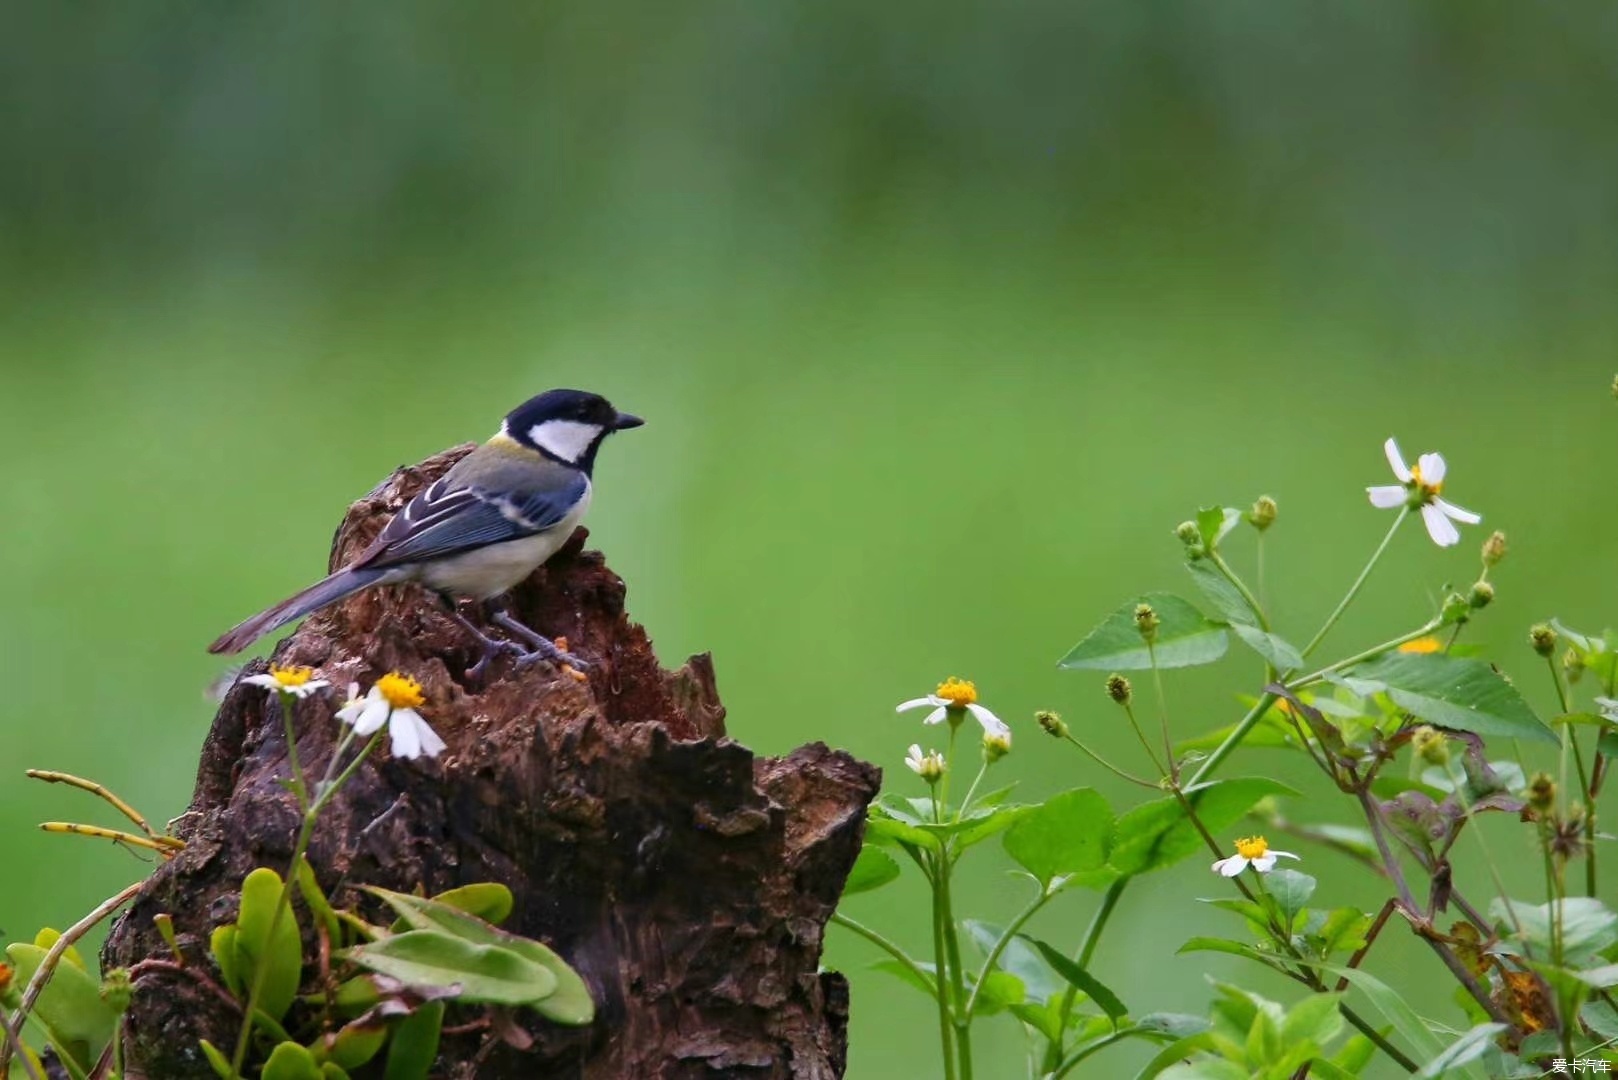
(446, 520)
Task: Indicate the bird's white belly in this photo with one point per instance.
(486, 572)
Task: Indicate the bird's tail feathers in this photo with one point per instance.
(327, 591)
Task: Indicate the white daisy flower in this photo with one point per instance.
(929, 766)
(393, 701)
(1418, 489)
(956, 696)
(300, 682)
(1251, 851)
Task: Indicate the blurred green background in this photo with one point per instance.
(942, 318)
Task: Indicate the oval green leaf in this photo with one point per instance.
(491, 974)
(1185, 638)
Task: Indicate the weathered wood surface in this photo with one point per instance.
(688, 880)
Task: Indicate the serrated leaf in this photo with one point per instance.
(1071, 970)
(1158, 833)
(873, 869)
(1223, 597)
(568, 1003)
(1451, 691)
(490, 974)
(1185, 638)
(1068, 834)
(1291, 890)
(1281, 654)
(281, 955)
(1587, 925)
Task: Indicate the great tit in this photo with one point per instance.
(493, 518)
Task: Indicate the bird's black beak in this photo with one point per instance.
(626, 421)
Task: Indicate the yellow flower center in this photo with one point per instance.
(958, 692)
(289, 677)
(1421, 645)
(1423, 486)
(1252, 847)
(400, 691)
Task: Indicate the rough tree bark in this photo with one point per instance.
(687, 880)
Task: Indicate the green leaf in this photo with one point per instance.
(1588, 925)
(220, 1063)
(1204, 1069)
(1184, 639)
(1068, 834)
(873, 869)
(1038, 981)
(1225, 945)
(70, 1007)
(1315, 1019)
(280, 955)
(289, 1061)
(1607, 745)
(1452, 691)
(315, 900)
(1215, 522)
(1281, 654)
(414, 1045)
(981, 824)
(1071, 971)
(1044, 1017)
(1462, 1052)
(1599, 977)
(333, 1071)
(1424, 1045)
(1343, 931)
(921, 980)
(1226, 601)
(881, 827)
(488, 900)
(222, 944)
(355, 1044)
(1157, 834)
(1601, 1019)
(1291, 890)
(490, 974)
(570, 1001)
(1175, 1052)
(1171, 1025)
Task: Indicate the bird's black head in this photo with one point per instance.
(566, 425)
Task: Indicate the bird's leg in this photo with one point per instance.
(492, 647)
(543, 647)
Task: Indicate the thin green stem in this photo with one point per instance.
(1233, 740)
(1000, 947)
(966, 803)
(957, 977)
(1354, 589)
(1163, 715)
(883, 943)
(1570, 742)
(1089, 1048)
(1087, 949)
(1240, 586)
(300, 788)
(946, 1022)
(14, 1045)
(1109, 766)
(1369, 654)
(1129, 711)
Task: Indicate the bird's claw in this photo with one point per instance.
(546, 650)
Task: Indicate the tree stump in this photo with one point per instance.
(688, 881)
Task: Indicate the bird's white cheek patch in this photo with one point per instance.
(566, 439)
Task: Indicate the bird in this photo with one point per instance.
(494, 518)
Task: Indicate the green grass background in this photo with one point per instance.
(941, 321)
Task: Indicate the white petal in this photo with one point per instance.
(916, 703)
(1439, 528)
(372, 716)
(1387, 496)
(406, 738)
(349, 713)
(1283, 854)
(269, 682)
(1232, 866)
(936, 716)
(991, 723)
(431, 744)
(1455, 513)
(1265, 862)
(1396, 460)
(913, 759)
(1432, 469)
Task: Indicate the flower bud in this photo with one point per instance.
(1188, 534)
(1481, 596)
(1456, 609)
(1262, 515)
(1542, 638)
(1572, 664)
(1051, 723)
(996, 745)
(1429, 745)
(116, 989)
(929, 766)
(1118, 689)
(1494, 548)
(1542, 792)
(1147, 622)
